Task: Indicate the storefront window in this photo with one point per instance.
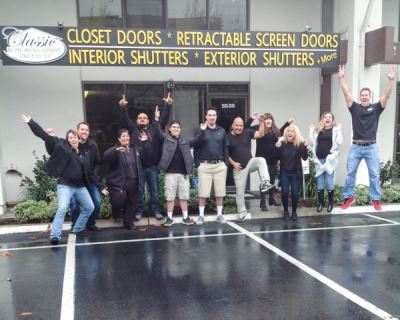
(189, 105)
(95, 13)
(144, 14)
(229, 15)
(187, 15)
(102, 112)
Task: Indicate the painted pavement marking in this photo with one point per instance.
(318, 276)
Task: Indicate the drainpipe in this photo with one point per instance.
(361, 44)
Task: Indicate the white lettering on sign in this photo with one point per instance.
(32, 45)
(228, 106)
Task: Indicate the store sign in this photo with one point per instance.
(176, 48)
(32, 46)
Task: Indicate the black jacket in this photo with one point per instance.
(169, 148)
(150, 150)
(62, 163)
(91, 160)
(116, 167)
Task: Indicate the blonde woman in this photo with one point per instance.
(325, 141)
(292, 148)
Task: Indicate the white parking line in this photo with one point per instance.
(380, 218)
(68, 294)
(318, 276)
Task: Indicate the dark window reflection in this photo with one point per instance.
(229, 15)
(102, 112)
(187, 15)
(144, 98)
(144, 14)
(95, 13)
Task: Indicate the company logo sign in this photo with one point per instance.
(32, 46)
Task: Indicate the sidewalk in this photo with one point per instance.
(11, 225)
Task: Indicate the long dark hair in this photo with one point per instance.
(274, 129)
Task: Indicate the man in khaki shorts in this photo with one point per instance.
(177, 163)
(211, 153)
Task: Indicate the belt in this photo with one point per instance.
(211, 161)
(364, 142)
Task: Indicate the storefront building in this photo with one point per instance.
(60, 96)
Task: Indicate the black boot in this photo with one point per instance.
(271, 198)
(330, 200)
(263, 202)
(320, 200)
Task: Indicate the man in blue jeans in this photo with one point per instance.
(91, 159)
(149, 147)
(365, 119)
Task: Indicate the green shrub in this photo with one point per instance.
(391, 193)
(361, 193)
(105, 209)
(39, 188)
(389, 170)
(36, 211)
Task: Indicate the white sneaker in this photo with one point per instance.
(241, 217)
(265, 186)
(220, 219)
(200, 221)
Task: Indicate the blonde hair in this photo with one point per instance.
(321, 126)
(298, 138)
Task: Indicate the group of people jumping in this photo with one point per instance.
(144, 148)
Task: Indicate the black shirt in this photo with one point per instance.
(324, 143)
(290, 157)
(240, 146)
(213, 144)
(177, 164)
(365, 120)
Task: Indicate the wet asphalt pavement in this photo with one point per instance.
(209, 272)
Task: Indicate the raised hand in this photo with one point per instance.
(168, 99)
(291, 120)
(341, 72)
(25, 118)
(391, 74)
(254, 115)
(157, 114)
(311, 127)
(203, 126)
(123, 102)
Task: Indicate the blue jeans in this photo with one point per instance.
(370, 154)
(64, 195)
(96, 198)
(149, 177)
(291, 181)
(325, 177)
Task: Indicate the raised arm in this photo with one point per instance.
(345, 88)
(38, 131)
(125, 121)
(391, 75)
(261, 129)
(164, 117)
